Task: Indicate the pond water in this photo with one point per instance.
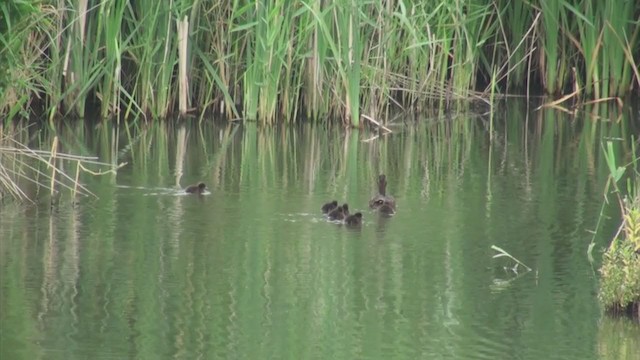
(253, 270)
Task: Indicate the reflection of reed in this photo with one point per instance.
(217, 165)
(182, 316)
(266, 321)
(177, 209)
(72, 267)
(617, 338)
(313, 159)
(181, 151)
(49, 262)
(232, 329)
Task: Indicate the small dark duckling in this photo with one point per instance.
(328, 207)
(196, 189)
(339, 213)
(354, 220)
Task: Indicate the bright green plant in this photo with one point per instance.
(620, 271)
(273, 60)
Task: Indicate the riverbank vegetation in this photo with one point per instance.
(620, 282)
(277, 61)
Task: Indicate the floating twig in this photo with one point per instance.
(502, 253)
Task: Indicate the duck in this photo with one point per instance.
(328, 207)
(353, 220)
(198, 188)
(381, 202)
(339, 213)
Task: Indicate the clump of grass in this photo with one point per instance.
(620, 271)
(620, 282)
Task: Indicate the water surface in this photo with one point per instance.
(252, 270)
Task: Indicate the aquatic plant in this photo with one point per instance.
(620, 271)
(277, 60)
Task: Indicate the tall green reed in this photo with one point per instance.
(153, 58)
(273, 60)
(551, 45)
(600, 51)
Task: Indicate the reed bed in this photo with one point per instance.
(277, 60)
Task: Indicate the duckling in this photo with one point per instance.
(328, 207)
(196, 189)
(354, 220)
(383, 203)
(339, 213)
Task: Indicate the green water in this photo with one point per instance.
(252, 270)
